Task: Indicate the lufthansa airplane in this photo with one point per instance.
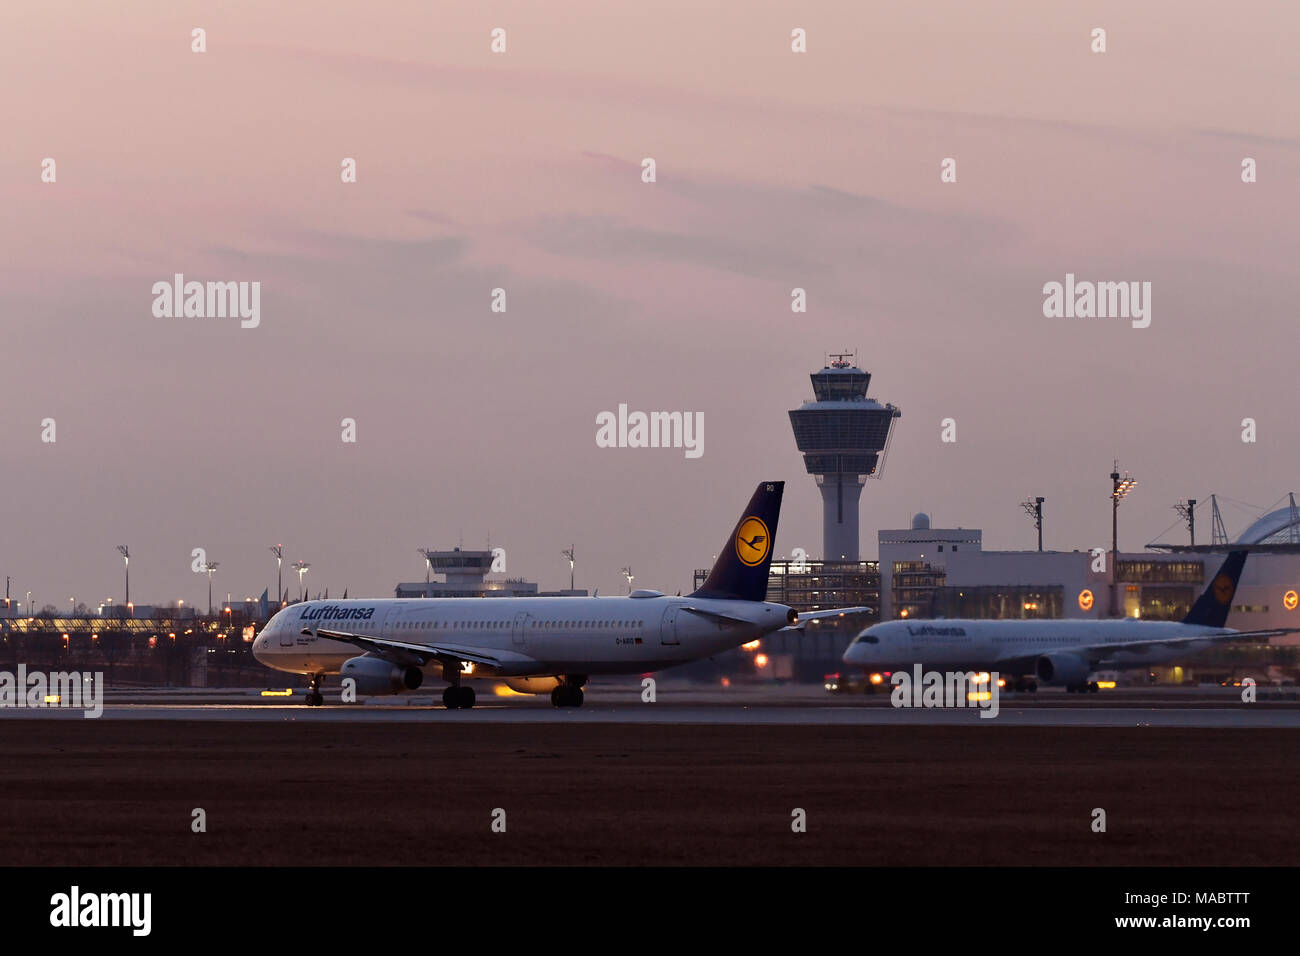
(538, 644)
(1054, 651)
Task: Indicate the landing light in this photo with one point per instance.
(751, 646)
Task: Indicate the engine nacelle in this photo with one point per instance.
(373, 675)
(1061, 669)
(533, 685)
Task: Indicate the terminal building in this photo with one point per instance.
(945, 572)
(465, 575)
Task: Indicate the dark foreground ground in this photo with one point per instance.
(90, 793)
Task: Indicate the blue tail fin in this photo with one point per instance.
(740, 573)
(1211, 608)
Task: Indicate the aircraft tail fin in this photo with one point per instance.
(740, 572)
(1212, 607)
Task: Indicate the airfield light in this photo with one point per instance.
(760, 660)
(903, 613)
(877, 678)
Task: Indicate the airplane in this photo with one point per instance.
(1057, 651)
(388, 646)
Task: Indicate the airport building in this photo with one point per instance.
(465, 574)
(945, 572)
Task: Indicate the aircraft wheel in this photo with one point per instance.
(466, 697)
(450, 697)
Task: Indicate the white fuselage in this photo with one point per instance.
(529, 636)
(994, 644)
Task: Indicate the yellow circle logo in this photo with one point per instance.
(1085, 600)
(752, 541)
(1290, 600)
(1223, 588)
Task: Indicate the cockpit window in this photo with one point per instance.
(868, 639)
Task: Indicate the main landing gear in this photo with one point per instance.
(568, 693)
(458, 697)
(314, 697)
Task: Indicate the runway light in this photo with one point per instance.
(981, 678)
(1106, 684)
(53, 699)
(726, 682)
(278, 693)
(978, 695)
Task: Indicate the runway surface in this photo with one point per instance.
(715, 715)
(613, 703)
(573, 789)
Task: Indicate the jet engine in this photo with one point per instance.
(533, 685)
(1068, 669)
(377, 676)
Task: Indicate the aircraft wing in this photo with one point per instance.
(807, 616)
(403, 652)
(1101, 651)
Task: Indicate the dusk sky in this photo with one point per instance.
(522, 170)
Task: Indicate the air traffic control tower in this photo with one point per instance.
(843, 436)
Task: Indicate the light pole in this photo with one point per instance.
(1120, 487)
(1034, 508)
(568, 553)
(278, 551)
(126, 565)
(1187, 511)
(210, 567)
(302, 567)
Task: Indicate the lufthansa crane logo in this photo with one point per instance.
(753, 541)
(1223, 588)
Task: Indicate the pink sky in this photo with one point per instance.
(521, 170)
